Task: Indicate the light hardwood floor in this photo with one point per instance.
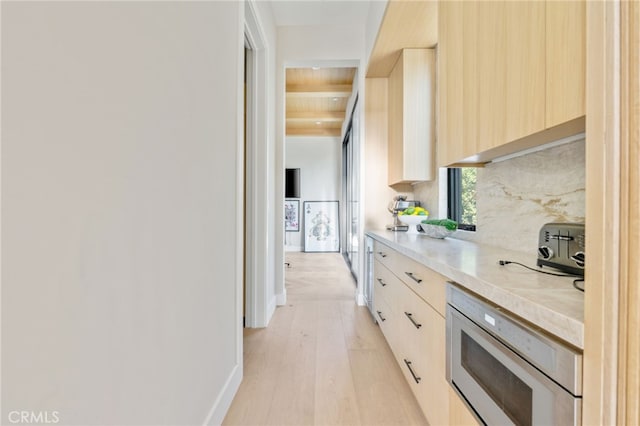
(322, 360)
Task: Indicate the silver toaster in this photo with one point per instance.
(561, 246)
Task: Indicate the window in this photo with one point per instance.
(462, 197)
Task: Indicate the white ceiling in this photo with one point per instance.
(320, 12)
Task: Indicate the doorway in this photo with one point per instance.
(319, 98)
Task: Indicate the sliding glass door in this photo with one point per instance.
(351, 193)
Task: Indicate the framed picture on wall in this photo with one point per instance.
(292, 215)
(321, 226)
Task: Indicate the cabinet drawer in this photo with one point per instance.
(414, 314)
(384, 254)
(430, 356)
(426, 380)
(386, 320)
(383, 281)
(423, 335)
(427, 284)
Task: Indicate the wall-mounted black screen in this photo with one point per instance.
(292, 183)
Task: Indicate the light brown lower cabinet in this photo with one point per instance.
(459, 413)
(414, 328)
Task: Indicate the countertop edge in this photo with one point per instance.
(517, 300)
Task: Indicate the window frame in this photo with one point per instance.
(454, 199)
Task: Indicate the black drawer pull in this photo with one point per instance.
(382, 254)
(410, 275)
(381, 317)
(382, 283)
(410, 316)
(416, 378)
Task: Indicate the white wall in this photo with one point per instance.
(320, 162)
(321, 43)
(307, 46)
(121, 272)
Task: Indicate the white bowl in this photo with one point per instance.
(412, 221)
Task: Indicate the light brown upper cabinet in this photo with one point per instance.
(511, 76)
(412, 117)
(566, 61)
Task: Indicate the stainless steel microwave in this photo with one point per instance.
(507, 372)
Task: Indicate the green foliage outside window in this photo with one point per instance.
(468, 195)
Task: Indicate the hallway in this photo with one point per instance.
(322, 360)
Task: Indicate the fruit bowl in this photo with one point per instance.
(413, 221)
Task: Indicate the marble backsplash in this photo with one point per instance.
(516, 197)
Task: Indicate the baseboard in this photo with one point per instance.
(292, 248)
(225, 397)
(281, 299)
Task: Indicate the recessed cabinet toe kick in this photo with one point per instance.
(507, 372)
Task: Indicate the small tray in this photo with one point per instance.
(435, 231)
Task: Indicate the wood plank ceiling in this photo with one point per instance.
(316, 100)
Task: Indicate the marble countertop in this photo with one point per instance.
(550, 303)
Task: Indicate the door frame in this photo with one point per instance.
(257, 312)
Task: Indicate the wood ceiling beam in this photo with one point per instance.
(319, 90)
(298, 95)
(342, 88)
(321, 131)
(325, 116)
(314, 124)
